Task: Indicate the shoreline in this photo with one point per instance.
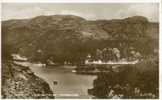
(23, 84)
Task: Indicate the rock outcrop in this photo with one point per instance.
(20, 82)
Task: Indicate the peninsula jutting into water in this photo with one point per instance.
(70, 57)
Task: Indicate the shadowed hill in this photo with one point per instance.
(68, 37)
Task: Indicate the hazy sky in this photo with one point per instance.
(89, 11)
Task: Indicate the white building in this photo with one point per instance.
(17, 57)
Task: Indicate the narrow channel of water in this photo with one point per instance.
(70, 85)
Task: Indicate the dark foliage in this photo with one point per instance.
(71, 38)
(143, 76)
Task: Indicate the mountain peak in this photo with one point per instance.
(137, 19)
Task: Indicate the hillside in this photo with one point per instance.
(71, 38)
(19, 82)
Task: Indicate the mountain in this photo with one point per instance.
(69, 37)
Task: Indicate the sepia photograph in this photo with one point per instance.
(80, 50)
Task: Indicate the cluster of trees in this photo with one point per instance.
(132, 81)
(114, 54)
(7, 50)
(75, 51)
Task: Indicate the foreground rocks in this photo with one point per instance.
(20, 82)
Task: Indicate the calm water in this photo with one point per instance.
(70, 85)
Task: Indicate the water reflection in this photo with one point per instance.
(69, 84)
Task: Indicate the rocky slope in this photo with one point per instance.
(19, 82)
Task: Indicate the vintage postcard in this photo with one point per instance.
(79, 50)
